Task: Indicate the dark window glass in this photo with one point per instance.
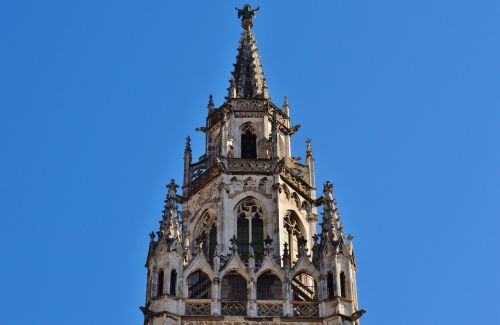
(331, 285)
(243, 237)
(173, 282)
(248, 145)
(258, 237)
(269, 287)
(199, 286)
(342, 284)
(161, 276)
(234, 287)
(212, 243)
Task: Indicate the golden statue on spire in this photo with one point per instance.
(246, 14)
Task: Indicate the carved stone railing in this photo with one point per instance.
(270, 308)
(305, 308)
(234, 308)
(203, 179)
(241, 166)
(199, 307)
(242, 107)
(249, 105)
(296, 182)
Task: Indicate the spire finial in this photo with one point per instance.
(210, 103)
(246, 14)
(308, 147)
(188, 144)
(286, 108)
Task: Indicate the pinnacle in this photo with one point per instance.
(248, 80)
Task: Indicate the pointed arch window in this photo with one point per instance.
(161, 277)
(233, 287)
(199, 286)
(250, 228)
(269, 287)
(173, 282)
(248, 142)
(292, 233)
(342, 284)
(207, 235)
(330, 285)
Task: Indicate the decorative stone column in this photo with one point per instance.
(216, 305)
(287, 308)
(252, 294)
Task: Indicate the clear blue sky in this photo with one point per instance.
(401, 99)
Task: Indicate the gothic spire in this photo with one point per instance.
(332, 228)
(170, 222)
(248, 80)
(187, 163)
(286, 108)
(210, 105)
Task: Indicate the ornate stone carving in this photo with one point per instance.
(306, 309)
(296, 182)
(203, 179)
(270, 309)
(197, 309)
(249, 105)
(234, 308)
(251, 166)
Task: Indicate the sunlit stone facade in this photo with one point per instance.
(244, 248)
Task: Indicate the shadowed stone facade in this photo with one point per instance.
(244, 247)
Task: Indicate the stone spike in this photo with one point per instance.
(248, 76)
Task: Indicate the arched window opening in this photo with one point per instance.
(269, 287)
(248, 145)
(199, 286)
(243, 234)
(304, 288)
(258, 237)
(207, 235)
(173, 282)
(342, 284)
(161, 277)
(212, 244)
(292, 234)
(330, 285)
(250, 228)
(233, 287)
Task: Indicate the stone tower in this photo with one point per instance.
(245, 248)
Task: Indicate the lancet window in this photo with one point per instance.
(248, 142)
(330, 285)
(161, 277)
(207, 231)
(199, 286)
(250, 228)
(292, 233)
(342, 285)
(173, 282)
